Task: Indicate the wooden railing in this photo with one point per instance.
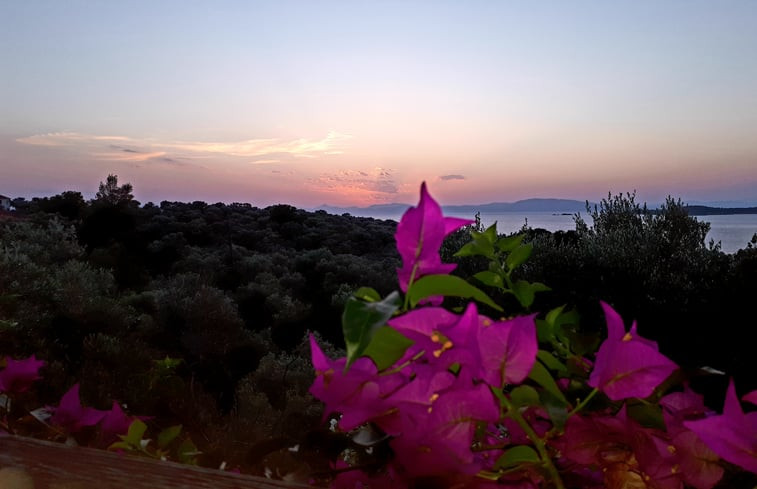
(27, 463)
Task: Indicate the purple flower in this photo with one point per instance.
(72, 416)
(115, 422)
(358, 394)
(508, 350)
(438, 442)
(18, 375)
(733, 434)
(419, 236)
(628, 365)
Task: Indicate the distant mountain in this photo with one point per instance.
(528, 205)
(703, 210)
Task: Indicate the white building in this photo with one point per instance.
(5, 203)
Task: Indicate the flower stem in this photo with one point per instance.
(409, 284)
(583, 403)
(541, 447)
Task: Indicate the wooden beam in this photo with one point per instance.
(26, 463)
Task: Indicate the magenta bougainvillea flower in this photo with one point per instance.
(358, 394)
(71, 415)
(732, 435)
(628, 365)
(443, 445)
(751, 397)
(419, 236)
(508, 350)
(115, 422)
(18, 375)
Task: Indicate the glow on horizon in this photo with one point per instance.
(356, 104)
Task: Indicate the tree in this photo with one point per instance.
(111, 193)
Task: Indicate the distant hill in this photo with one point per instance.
(703, 210)
(527, 205)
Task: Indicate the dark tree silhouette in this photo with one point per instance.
(110, 192)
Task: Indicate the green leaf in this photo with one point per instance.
(510, 243)
(541, 376)
(386, 347)
(367, 294)
(553, 315)
(187, 452)
(544, 331)
(476, 248)
(552, 362)
(121, 445)
(360, 321)
(490, 278)
(168, 435)
(648, 415)
(519, 255)
(556, 409)
(516, 456)
(525, 291)
(488, 236)
(524, 395)
(447, 285)
(134, 436)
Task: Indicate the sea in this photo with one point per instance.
(733, 232)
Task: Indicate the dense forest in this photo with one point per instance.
(197, 313)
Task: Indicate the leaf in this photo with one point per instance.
(386, 347)
(516, 456)
(541, 376)
(134, 436)
(489, 235)
(552, 315)
(556, 409)
(552, 362)
(648, 415)
(367, 294)
(187, 451)
(475, 248)
(524, 395)
(489, 278)
(525, 291)
(121, 445)
(447, 285)
(518, 256)
(510, 243)
(168, 435)
(360, 321)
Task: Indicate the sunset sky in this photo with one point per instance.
(357, 102)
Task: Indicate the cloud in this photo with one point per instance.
(334, 143)
(377, 185)
(57, 139)
(451, 177)
(131, 155)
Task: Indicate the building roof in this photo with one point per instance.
(4, 197)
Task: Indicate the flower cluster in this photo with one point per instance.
(467, 400)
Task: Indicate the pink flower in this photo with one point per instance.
(72, 416)
(732, 435)
(115, 422)
(628, 365)
(508, 350)
(419, 236)
(358, 394)
(18, 375)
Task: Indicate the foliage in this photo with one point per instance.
(469, 401)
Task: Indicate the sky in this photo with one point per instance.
(356, 102)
